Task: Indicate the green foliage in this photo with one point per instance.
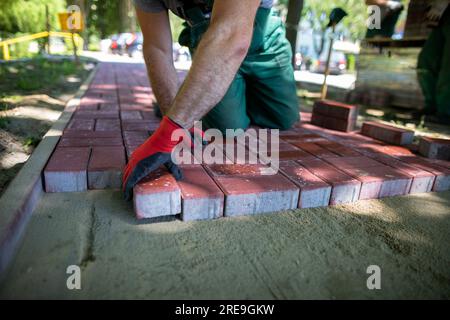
(316, 12)
(176, 25)
(4, 121)
(31, 141)
(28, 16)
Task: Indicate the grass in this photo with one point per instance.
(31, 141)
(37, 75)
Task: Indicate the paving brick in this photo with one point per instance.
(435, 148)
(315, 150)
(105, 167)
(312, 137)
(335, 109)
(139, 125)
(283, 151)
(90, 142)
(248, 195)
(333, 123)
(386, 133)
(253, 170)
(66, 170)
(150, 115)
(135, 107)
(157, 195)
(96, 115)
(338, 148)
(108, 107)
(442, 181)
(81, 124)
(107, 125)
(345, 188)
(380, 181)
(202, 199)
(131, 115)
(314, 192)
(135, 138)
(81, 134)
(353, 162)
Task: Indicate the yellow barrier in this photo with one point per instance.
(5, 43)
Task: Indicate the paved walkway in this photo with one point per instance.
(319, 167)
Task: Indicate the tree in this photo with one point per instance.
(295, 8)
(28, 16)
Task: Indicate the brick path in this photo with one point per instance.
(319, 167)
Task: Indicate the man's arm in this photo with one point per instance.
(217, 59)
(158, 55)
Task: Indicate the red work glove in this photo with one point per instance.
(153, 153)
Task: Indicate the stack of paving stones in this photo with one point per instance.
(334, 115)
(318, 166)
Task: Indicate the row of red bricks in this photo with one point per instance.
(327, 172)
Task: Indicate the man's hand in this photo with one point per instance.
(437, 10)
(152, 154)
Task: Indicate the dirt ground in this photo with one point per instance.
(320, 253)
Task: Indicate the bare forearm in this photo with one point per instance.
(163, 77)
(216, 63)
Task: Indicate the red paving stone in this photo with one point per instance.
(105, 167)
(202, 199)
(67, 170)
(90, 142)
(314, 192)
(107, 125)
(157, 195)
(248, 195)
(81, 124)
(334, 115)
(319, 166)
(435, 148)
(345, 188)
(386, 133)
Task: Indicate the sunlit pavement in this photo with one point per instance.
(344, 81)
(107, 57)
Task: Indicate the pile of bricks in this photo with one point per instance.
(334, 115)
(318, 166)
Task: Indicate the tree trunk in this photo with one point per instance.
(127, 16)
(295, 8)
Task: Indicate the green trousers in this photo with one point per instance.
(263, 91)
(433, 69)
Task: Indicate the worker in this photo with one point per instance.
(241, 73)
(433, 67)
(390, 12)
